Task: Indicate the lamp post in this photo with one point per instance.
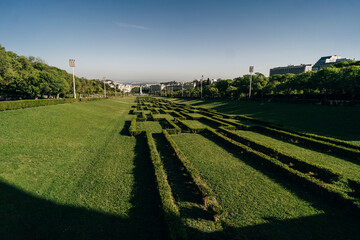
(201, 86)
(251, 70)
(104, 79)
(72, 64)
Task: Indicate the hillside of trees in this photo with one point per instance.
(30, 78)
(341, 81)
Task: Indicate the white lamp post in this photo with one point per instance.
(251, 70)
(104, 79)
(72, 64)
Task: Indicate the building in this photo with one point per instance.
(328, 61)
(156, 87)
(291, 69)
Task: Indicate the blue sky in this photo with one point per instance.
(160, 40)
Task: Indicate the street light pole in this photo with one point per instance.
(251, 70)
(104, 79)
(201, 86)
(72, 64)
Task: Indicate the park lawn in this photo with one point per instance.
(333, 121)
(68, 172)
(167, 116)
(259, 203)
(152, 126)
(343, 166)
(195, 124)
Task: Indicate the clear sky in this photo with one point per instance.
(160, 40)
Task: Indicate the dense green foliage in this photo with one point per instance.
(12, 105)
(341, 80)
(24, 78)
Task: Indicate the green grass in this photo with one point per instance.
(168, 116)
(67, 172)
(152, 126)
(259, 203)
(195, 123)
(338, 122)
(343, 166)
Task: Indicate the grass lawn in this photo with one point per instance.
(260, 204)
(153, 126)
(338, 122)
(346, 167)
(68, 172)
(195, 124)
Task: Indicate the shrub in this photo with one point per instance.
(324, 174)
(169, 207)
(209, 197)
(13, 105)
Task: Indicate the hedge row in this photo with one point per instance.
(317, 171)
(308, 142)
(132, 129)
(141, 117)
(174, 129)
(326, 139)
(217, 123)
(188, 127)
(169, 207)
(188, 116)
(178, 115)
(13, 105)
(330, 192)
(236, 124)
(208, 195)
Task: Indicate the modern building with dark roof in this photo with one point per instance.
(291, 69)
(321, 63)
(328, 61)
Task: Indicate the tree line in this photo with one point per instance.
(341, 80)
(29, 77)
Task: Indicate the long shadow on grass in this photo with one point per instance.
(125, 129)
(285, 181)
(319, 227)
(181, 183)
(24, 216)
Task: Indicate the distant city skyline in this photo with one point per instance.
(155, 41)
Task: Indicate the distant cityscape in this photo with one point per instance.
(174, 85)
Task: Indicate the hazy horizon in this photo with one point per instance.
(154, 41)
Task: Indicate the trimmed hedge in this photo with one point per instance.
(169, 207)
(237, 125)
(308, 142)
(174, 129)
(188, 127)
(317, 171)
(178, 115)
(328, 191)
(217, 123)
(208, 195)
(141, 117)
(13, 105)
(132, 129)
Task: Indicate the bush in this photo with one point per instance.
(132, 129)
(169, 207)
(308, 142)
(188, 127)
(13, 105)
(328, 191)
(323, 174)
(209, 197)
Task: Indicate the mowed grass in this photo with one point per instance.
(333, 121)
(69, 172)
(260, 204)
(344, 166)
